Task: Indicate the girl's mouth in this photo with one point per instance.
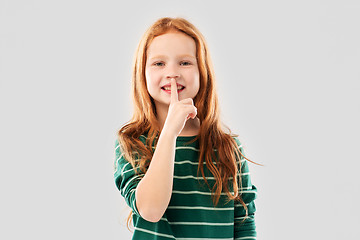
(169, 91)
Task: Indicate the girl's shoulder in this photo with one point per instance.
(238, 142)
(239, 145)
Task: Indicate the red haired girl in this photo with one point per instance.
(182, 175)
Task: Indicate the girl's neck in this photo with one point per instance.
(191, 128)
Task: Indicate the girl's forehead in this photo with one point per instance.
(172, 43)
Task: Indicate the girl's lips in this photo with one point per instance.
(169, 91)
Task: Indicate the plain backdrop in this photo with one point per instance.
(288, 82)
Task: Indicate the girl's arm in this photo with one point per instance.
(153, 192)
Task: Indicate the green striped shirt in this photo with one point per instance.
(190, 214)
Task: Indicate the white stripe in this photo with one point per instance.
(201, 208)
(200, 178)
(201, 223)
(245, 238)
(122, 154)
(195, 192)
(117, 147)
(243, 160)
(131, 169)
(239, 205)
(129, 181)
(154, 233)
(190, 176)
(197, 163)
(122, 170)
(183, 147)
(193, 163)
(209, 193)
(187, 161)
(238, 218)
(246, 191)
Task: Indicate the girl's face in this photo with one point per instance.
(171, 55)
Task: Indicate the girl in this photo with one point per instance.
(180, 173)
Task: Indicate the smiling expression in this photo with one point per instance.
(171, 55)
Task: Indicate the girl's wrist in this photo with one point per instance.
(166, 133)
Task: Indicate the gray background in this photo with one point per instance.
(288, 82)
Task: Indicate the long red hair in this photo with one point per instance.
(226, 169)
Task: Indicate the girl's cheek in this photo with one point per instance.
(151, 74)
(157, 73)
(151, 71)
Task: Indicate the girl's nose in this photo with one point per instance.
(172, 72)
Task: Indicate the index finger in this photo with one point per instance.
(174, 94)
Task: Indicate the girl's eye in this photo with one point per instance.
(186, 63)
(158, 64)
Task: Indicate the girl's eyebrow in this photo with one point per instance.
(181, 56)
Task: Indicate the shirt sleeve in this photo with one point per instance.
(245, 229)
(126, 179)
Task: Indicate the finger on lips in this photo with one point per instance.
(174, 93)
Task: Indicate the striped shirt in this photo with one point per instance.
(191, 214)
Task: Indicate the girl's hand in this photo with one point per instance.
(179, 111)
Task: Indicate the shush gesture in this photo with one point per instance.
(179, 111)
